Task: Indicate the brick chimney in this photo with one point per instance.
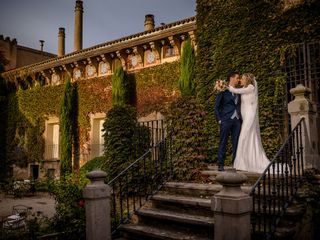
(61, 42)
(78, 25)
(149, 22)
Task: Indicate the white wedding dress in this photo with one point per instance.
(250, 154)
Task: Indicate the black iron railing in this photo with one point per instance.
(278, 185)
(139, 181)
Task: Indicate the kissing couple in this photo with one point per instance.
(236, 110)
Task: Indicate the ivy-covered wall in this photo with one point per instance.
(252, 36)
(27, 109)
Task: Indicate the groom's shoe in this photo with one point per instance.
(221, 168)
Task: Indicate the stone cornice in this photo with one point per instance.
(182, 26)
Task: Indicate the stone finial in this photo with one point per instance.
(231, 181)
(97, 176)
(300, 91)
(149, 22)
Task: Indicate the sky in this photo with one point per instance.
(103, 20)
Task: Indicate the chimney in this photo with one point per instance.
(78, 26)
(41, 45)
(61, 42)
(149, 22)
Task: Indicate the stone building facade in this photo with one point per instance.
(152, 47)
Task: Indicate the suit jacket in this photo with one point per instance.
(225, 105)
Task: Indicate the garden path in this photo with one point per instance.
(39, 202)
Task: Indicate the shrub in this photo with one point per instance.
(119, 128)
(70, 214)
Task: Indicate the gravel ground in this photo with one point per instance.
(39, 202)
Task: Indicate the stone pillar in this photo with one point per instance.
(232, 208)
(78, 23)
(149, 22)
(302, 107)
(61, 42)
(97, 203)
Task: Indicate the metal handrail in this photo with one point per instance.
(278, 184)
(132, 188)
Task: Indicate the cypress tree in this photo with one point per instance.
(75, 128)
(186, 80)
(66, 129)
(118, 87)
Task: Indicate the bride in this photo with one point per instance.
(250, 154)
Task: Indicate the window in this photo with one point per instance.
(97, 138)
(168, 51)
(52, 139)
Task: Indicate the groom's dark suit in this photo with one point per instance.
(227, 110)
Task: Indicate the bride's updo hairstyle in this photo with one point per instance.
(249, 78)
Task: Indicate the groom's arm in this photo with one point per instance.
(217, 106)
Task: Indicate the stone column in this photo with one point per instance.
(302, 107)
(78, 23)
(61, 42)
(232, 208)
(97, 203)
(149, 22)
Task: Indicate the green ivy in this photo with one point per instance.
(28, 109)
(251, 36)
(190, 143)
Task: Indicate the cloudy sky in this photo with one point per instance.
(104, 20)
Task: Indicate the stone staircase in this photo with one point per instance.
(183, 211)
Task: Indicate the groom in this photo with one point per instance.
(227, 110)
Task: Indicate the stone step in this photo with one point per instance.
(146, 232)
(183, 200)
(200, 190)
(149, 214)
(192, 189)
(212, 173)
(185, 204)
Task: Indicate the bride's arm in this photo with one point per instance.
(248, 89)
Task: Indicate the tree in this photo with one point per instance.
(118, 88)
(186, 80)
(123, 88)
(66, 129)
(120, 124)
